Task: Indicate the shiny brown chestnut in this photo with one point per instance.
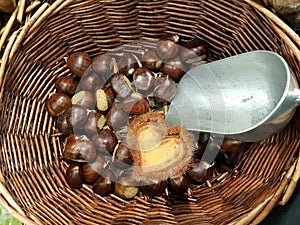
(151, 61)
(120, 85)
(93, 170)
(94, 123)
(234, 145)
(105, 184)
(117, 118)
(167, 47)
(136, 104)
(78, 63)
(105, 140)
(155, 188)
(76, 116)
(73, 176)
(200, 171)
(79, 151)
(90, 81)
(180, 184)
(193, 51)
(84, 99)
(102, 65)
(62, 124)
(66, 85)
(144, 79)
(174, 68)
(165, 90)
(57, 103)
(122, 157)
(104, 99)
(128, 64)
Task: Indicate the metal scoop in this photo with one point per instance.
(247, 97)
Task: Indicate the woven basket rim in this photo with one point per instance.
(45, 10)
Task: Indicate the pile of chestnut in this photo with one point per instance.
(94, 105)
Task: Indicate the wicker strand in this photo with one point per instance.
(292, 185)
(21, 4)
(8, 27)
(32, 6)
(288, 30)
(276, 196)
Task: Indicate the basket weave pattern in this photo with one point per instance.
(30, 151)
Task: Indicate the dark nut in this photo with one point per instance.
(78, 63)
(102, 65)
(105, 140)
(234, 145)
(62, 125)
(105, 183)
(95, 122)
(151, 61)
(143, 79)
(167, 47)
(194, 51)
(66, 85)
(74, 176)
(57, 103)
(128, 64)
(121, 86)
(180, 184)
(76, 116)
(84, 99)
(79, 151)
(155, 187)
(90, 81)
(136, 104)
(117, 118)
(123, 158)
(92, 171)
(165, 90)
(174, 68)
(200, 171)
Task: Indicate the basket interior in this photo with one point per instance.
(30, 156)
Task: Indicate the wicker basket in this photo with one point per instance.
(33, 187)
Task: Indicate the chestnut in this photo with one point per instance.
(200, 171)
(167, 47)
(102, 65)
(76, 116)
(74, 176)
(78, 63)
(156, 187)
(123, 158)
(117, 118)
(234, 145)
(93, 170)
(120, 85)
(128, 64)
(193, 51)
(95, 122)
(66, 85)
(79, 151)
(151, 61)
(105, 140)
(125, 189)
(57, 103)
(84, 99)
(136, 104)
(180, 184)
(105, 184)
(143, 79)
(165, 90)
(174, 68)
(90, 81)
(104, 99)
(62, 125)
